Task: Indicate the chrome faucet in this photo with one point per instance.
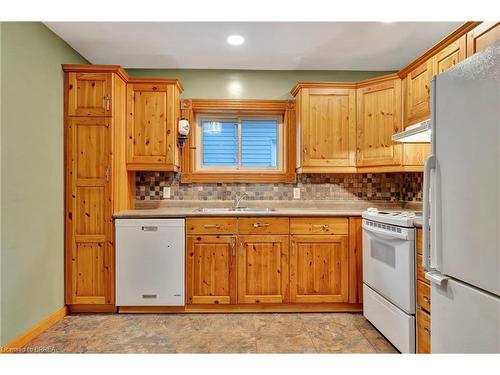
(237, 200)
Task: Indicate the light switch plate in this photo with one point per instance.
(296, 193)
(166, 192)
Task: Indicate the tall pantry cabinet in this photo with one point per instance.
(96, 181)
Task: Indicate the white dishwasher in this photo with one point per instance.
(150, 262)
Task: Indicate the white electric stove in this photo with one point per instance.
(389, 275)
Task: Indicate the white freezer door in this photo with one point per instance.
(464, 319)
(465, 203)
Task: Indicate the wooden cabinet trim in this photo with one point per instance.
(319, 225)
(263, 225)
(212, 225)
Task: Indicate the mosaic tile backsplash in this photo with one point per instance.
(390, 187)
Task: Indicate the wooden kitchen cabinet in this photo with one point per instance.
(90, 94)
(417, 87)
(263, 269)
(319, 269)
(449, 56)
(326, 118)
(89, 224)
(211, 269)
(379, 117)
(153, 110)
(482, 36)
(423, 332)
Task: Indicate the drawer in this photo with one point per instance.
(419, 241)
(263, 225)
(424, 296)
(423, 332)
(420, 270)
(319, 225)
(211, 225)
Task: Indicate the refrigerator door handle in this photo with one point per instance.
(430, 164)
(436, 277)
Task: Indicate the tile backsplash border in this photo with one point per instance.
(388, 187)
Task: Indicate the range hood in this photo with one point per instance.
(418, 133)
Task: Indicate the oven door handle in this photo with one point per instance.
(385, 234)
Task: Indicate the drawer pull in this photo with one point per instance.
(150, 228)
(426, 299)
(233, 248)
(217, 226)
(260, 225)
(324, 226)
(427, 330)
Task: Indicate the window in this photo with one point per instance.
(240, 143)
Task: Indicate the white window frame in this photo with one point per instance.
(280, 141)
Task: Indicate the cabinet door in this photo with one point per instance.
(151, 139)
(319, 269)
(482, 36)
(90, 94)
(89, 223)
(263, 269)
(418, 83)
(210, 270)
(379, 117)
(328, 128)
(449, 56)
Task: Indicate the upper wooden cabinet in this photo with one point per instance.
(378, 118)
(449, 56)
(153, 109)
(417, 86)
(90, 94)
(326, 119)
(482, 36)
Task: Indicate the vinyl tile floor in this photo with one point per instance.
(212, 333)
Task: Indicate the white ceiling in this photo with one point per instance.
(268, 45)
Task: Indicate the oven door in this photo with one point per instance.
(389, 263)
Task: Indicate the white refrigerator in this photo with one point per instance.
(462, 207)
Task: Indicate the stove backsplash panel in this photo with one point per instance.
(390, 187)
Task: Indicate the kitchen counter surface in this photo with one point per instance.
(165, 209)
(418, 222)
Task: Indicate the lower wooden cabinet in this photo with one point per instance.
(423, 332)
(263, 269)
(211, 269)
(319, 269)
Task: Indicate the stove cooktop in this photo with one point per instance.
(400, 218)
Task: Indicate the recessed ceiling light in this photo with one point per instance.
(235, 40)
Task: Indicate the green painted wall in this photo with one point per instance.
(247, 84)
(32, 242)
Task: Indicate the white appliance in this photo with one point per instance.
(389, 275)
(462, 197)
(150, 262)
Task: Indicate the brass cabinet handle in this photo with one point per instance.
(107, 98)
(324, 226)
(259, 225)
(233, 247)
(427, 330)
(426, 299)
(211, 226)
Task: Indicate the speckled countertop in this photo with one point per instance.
(164, 209)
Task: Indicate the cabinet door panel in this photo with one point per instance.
(328, 127)
(151, 135)
(449, 56)
(90, 94)
(319, 269)
(482, 36)
(211, 273)
(263, 269)
(379, 117)
(417, 90)
(89, 224)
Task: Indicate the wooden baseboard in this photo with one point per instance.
(90, 308)
(34, 331)
(244, 308)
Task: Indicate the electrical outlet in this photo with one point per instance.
(296, 193)
(166, 192)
